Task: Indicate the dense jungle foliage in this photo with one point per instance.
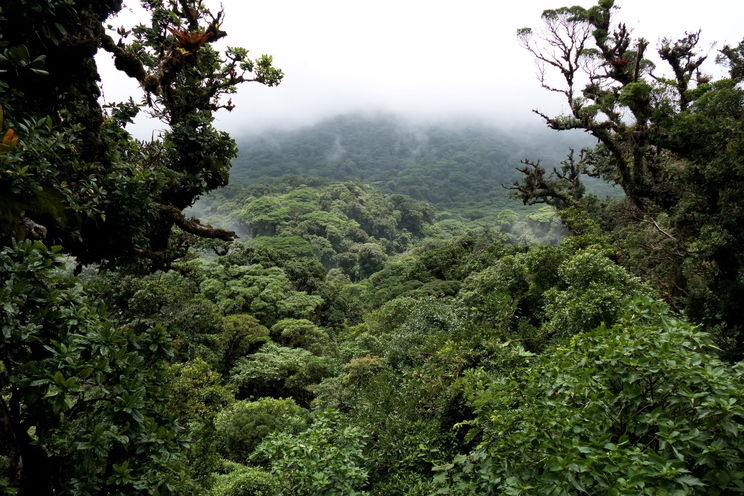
(393, 338)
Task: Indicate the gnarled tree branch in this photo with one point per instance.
(193, 226)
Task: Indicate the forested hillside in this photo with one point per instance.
(446, 164)
(382, 318)
(462, 170)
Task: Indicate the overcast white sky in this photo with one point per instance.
(420, 58)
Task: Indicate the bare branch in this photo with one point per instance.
(658, 228)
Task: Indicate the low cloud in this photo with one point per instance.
(424, 59)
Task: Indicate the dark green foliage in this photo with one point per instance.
(242, 334)
(448, 165)
(462, 334)
(359, 343)
(83, 405)
(510, 294)
(436, 266)
(170, 299)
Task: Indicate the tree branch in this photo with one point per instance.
(658, 228)
(193, 226)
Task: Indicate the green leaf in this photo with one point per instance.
(689, 480)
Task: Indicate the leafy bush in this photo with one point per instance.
(197, 392)
(642, 407)
(279, 371)
(300, 333)
(266, 293)
(240, 480)
(243, 425)
(84, 407)
(324, 460)
(591, 290)
(242, 334)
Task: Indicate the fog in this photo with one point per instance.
(426, 60)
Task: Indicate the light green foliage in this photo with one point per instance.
(473, 346)
(591, 290)
(244, 424)
(294, 255)
(641, 407)
(329, 225)
(265, 293)
(524, 225)
(547, 292)
(324, 460)
(242, 334)
(265, 215)
(196, 391)
(346, 225)
(299, 333)
(280, 371)
(375, 213)
(282, 246)
(239, 480)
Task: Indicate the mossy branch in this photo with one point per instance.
(193, 226)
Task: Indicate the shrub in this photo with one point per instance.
(642, 407)
(243, 425)
(245, 481)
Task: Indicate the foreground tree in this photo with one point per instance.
(672, 140)
(70, 174)
(83, 409)
(642, 407)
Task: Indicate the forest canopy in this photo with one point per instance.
(417, 336)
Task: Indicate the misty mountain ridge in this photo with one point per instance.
(447, 164)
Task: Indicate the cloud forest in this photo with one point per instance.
(367, 305)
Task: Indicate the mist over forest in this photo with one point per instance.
(388, 281)
(443, 163)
